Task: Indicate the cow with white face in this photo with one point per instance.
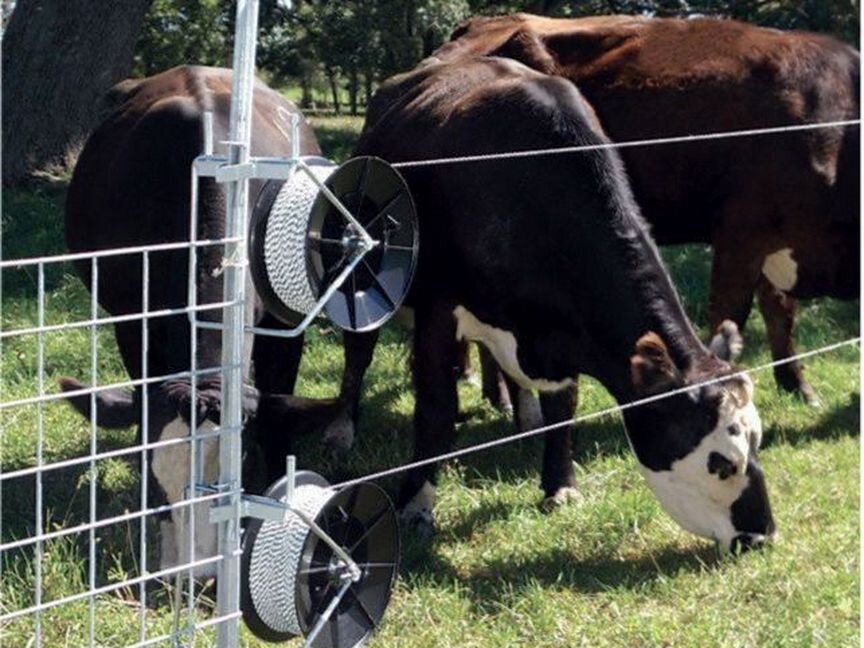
(272, 422)
(697, 449)
(131, 188)
(546, 261)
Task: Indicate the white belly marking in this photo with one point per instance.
(780, 269)
(502, 345)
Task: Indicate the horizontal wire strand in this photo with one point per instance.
(112, 587)
(137, 382)
(111, 454)
(701, 137)
(588, 417)
(121, 251)
(117, 519)
(114, 319)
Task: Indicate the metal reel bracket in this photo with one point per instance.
(221, 170)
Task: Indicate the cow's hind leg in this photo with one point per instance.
(778, 310)
(558, 480)
(495, 388)
(435, 354)
(276, 359)
(734, 275)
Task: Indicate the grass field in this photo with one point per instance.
(609, 571)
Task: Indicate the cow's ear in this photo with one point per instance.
(652, 368)
(115, 408)
(727, 343)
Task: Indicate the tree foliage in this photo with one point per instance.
(183, 31)
(342, 48)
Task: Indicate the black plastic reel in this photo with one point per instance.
(379, 199)
(362, 520)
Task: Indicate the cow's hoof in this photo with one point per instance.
(809, 396)
(472, 378)
(530, 414)
(418, 522)
(564, 495)
(339, 435)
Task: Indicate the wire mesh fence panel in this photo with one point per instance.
(104, 531)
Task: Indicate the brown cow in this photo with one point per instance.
(781, 211)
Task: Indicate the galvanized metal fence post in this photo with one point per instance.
(237, 198)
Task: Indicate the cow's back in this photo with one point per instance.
(649, 78)
(131, 187)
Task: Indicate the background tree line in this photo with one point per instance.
(60, 57)
(335, 51)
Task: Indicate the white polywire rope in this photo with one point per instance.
(589, 417)
(701, 137)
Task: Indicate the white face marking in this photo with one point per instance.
(340, 433)
(780, 269)
(167, 545)
(171, 468)
(698, 500)
(502, 345)
(422, 503)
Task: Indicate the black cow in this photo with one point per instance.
(131, 187)
(547, 261)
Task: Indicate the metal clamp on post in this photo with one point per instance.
(339, 240)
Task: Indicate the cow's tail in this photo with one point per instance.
(115, 408)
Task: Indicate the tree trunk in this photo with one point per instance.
(59, 59)
(306, 96)
(368, 78)
(353, 89)
(334, 89)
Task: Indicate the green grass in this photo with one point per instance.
(611, 571)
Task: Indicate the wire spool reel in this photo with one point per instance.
(295, 584)
(300, 242)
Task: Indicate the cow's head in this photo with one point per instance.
(270, 422)
(697, 449)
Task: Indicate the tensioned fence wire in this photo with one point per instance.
(94, 322)
(658, 141)
(616, 409)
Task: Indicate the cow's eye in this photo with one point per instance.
(734, 429)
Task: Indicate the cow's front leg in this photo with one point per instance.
(435, 411)
(558, 480)
(359, 349)
(778, 310)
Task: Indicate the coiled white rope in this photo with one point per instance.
(593, 415)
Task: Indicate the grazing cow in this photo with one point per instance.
(131, 187)
(782, 211)
(547, 261)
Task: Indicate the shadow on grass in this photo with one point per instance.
(840, 421)
(496, 583)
